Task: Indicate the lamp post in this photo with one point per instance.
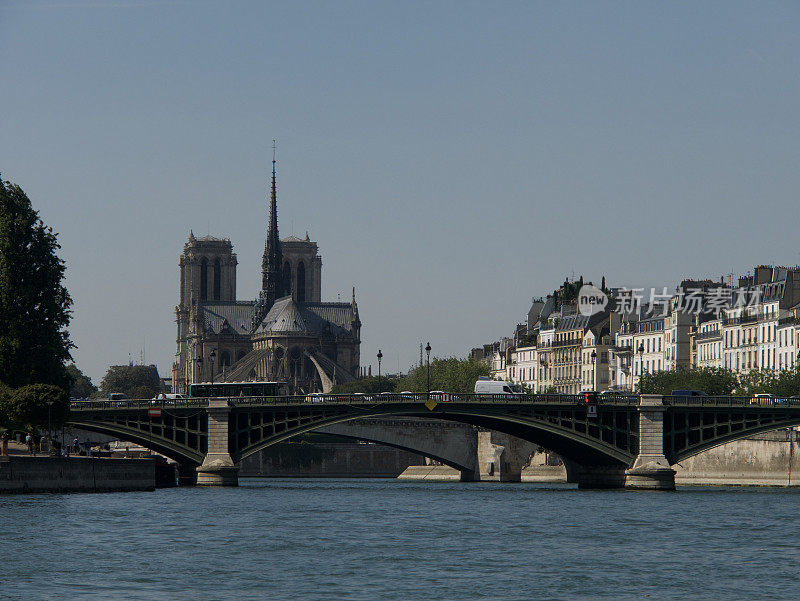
(594, 370)
(49, 429)
(200, 368)
(212, 356)
(641, 364)
(380, 356)
(428, 350)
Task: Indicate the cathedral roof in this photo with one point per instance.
(293, 239)
(233, 316)
(288, 317)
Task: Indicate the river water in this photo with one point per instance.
(388, 539)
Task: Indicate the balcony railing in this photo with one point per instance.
(708, 335)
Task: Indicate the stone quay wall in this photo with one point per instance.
(21, 474)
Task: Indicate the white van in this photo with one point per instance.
(496, 387)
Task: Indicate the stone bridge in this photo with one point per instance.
(622, 441)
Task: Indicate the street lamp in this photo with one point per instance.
(428, 350)
(212, 356)
(641, 363)
(594, 370)
(200, 368)
(380, 356)
(49, 430)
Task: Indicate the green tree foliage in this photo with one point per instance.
(137, 381)
(451, 375)
(5, 396)
(782, 384)
(28, 406)
(34, 305)
(712, 381)
(371, 385)
(82, 387)
(756, 381)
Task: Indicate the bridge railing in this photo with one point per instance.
(358, 399)
(189, 403)
(438, 397)
(753, 402)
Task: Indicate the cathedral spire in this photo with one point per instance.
(272, 287)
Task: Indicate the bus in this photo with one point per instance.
(238, 389)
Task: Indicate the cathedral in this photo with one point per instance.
(287, 334)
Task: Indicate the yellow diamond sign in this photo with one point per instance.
(430, 404)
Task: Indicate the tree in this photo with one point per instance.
(5, 395)
(30, 406)
(712, 381)
(371, 385)
(451, 375)
(757, 381)
(82, 387)
(34, 304)
(137, 381)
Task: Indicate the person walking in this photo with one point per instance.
(88, 448)
(4, 444)
(29, 442)
(76, 446)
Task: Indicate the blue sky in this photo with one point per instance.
(452, 159)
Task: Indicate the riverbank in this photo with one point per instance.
(762, 460)
(26, 474)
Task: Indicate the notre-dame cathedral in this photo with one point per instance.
(287, 334)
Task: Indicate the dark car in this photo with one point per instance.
(692, 393)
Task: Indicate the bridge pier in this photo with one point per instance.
(651, 470)
(218, 468)
(187, 474)
(502, 456)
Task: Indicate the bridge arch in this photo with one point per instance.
(182, 453)
(248, 436)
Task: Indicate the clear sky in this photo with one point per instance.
(452, 159)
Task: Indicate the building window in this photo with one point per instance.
(217, 279)
(203, 280)
(301, 282)
(287, 279)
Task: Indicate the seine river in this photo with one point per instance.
(387, 539)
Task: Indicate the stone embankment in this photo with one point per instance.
(761, 460)
(22, 474)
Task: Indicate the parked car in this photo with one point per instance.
(691, 393)
(763, 399)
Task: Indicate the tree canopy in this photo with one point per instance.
(137, 381)
(82, 387)
(30, 406)
(34, 304)
(451, 375)
(713, 381)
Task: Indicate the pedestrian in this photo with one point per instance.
(42, 444)
(88, 448)
(76, 446)
(29, 442)
(4, 444)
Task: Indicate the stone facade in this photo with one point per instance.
(287, 334)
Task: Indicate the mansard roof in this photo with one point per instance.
(319, 319)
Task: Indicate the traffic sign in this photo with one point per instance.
(154, 412)
(591, 410)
